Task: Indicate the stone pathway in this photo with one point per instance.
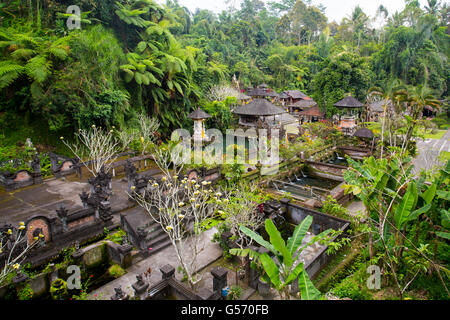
(429, 150)
(210, 254)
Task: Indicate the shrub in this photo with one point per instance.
(26, 293)
(235, 293)
(351, 288)
(116, 271)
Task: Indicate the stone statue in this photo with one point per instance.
(119, 295)
(36, 163)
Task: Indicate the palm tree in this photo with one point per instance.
(417, 98)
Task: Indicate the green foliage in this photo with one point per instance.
(25, 293)
(281, 270)
(116, 237)
(332, 207)
(58, 289)
(235, 293)
(116, 271)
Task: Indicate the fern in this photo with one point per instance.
(9, 72)
(38, 68)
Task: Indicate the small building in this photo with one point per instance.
(302, 105)
(294, 96)
(259, 110)
(283, 98)
(365, 135)
(428, 111)
(312, 114)
(257, 93)
(375, 110)
(350, 111)
(199, 116)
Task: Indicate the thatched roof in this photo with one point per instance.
(363, 133)
(263, 86)
(243, 97)
(283, 95)
(198, 115)
(257, 92)
(271, 94)
(304, 103)
(295, 94)
(377, 106)
(349, 102)
(312, 112)
(259, 107)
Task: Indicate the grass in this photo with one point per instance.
(438, 135)
(444, 156)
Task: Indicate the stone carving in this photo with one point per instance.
(36, 164)
(140, 286)
(119, 295)
(103, 180)
(130, 170)
(62, 213)
(84, 198)
(105, 211)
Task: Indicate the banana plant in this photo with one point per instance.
(284, 267)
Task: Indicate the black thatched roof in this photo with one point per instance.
(259, 107)
(271, 94)
(349, 102)
(304, 103)
(377, 106)
(198, 115)
(243, 97)
(312, 112)
(295, 94)
(363, 133)
(257, 92)
(283, 95)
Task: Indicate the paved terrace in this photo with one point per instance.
(45, 198)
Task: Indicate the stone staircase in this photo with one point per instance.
(156, 239)
(143, 232)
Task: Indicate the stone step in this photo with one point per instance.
(160, 246)
(156, 233)
(157, 240)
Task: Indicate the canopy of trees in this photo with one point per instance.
(132, 56)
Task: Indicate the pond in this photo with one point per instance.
(306, 186)
(338, 159)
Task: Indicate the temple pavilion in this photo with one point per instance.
(350, 111)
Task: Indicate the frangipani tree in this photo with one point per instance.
(14, 243)
(97, 145)
(285, 266)
(180, 207)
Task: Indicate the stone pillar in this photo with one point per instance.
(167, 272)
(285, 205)
(263, 288)
(125, 255)
(253, 275)
(294, 287)
(219, 278)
